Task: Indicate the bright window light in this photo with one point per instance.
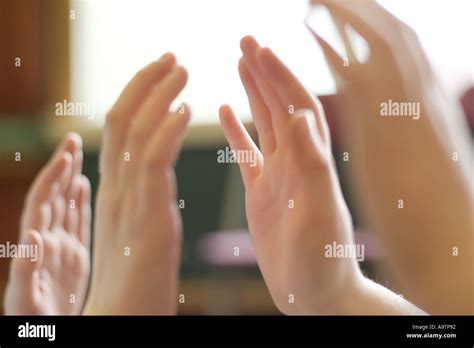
(112, 39)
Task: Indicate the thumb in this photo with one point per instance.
(28, 259)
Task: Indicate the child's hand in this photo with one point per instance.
(411, 171)
(137, 241)
(293, 200)
(55, 223)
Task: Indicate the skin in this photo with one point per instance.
(60, 231)
(296, 165)
(136, 201)
(401, 158)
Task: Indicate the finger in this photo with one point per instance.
(84, 205)
(119, 118)
(51, 172)
(158, 178)
(239, 140)
(23, 271)
(368, 18)
(37, 213)
(59, 198)
(166, 141)
(341, 29)
(156, 107)
(73, 186)
(278, 111)
(260, 113)
(69, 143)
(68, 191)
(74, 147)
(335, 62)
(290, 90)
(149, 118)
(72, 206)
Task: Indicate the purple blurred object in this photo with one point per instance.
(218, 248)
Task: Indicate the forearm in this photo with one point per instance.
(428, 234)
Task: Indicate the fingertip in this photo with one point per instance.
(167, 57)
(76, 151)
(76, 138)
(224, 108)
(225, 112)
(265, 52)
(247, 43)
(241, 63)
(76, 185)
(72, 142)
(85, 183)
(221, 113)
(182, 73)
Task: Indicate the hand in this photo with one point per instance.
(137, 241)
(293, 200)
(56, 225)
(409, 158)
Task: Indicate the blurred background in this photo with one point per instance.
(85, 51)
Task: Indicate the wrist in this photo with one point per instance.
(338, 298)
(362, 296)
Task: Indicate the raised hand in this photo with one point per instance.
(295, 208)
(137, 240)
(409, 158)
(293, 201)
(55, 226)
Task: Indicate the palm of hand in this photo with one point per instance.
(291, 214)
(60, 284)
(55, 228)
